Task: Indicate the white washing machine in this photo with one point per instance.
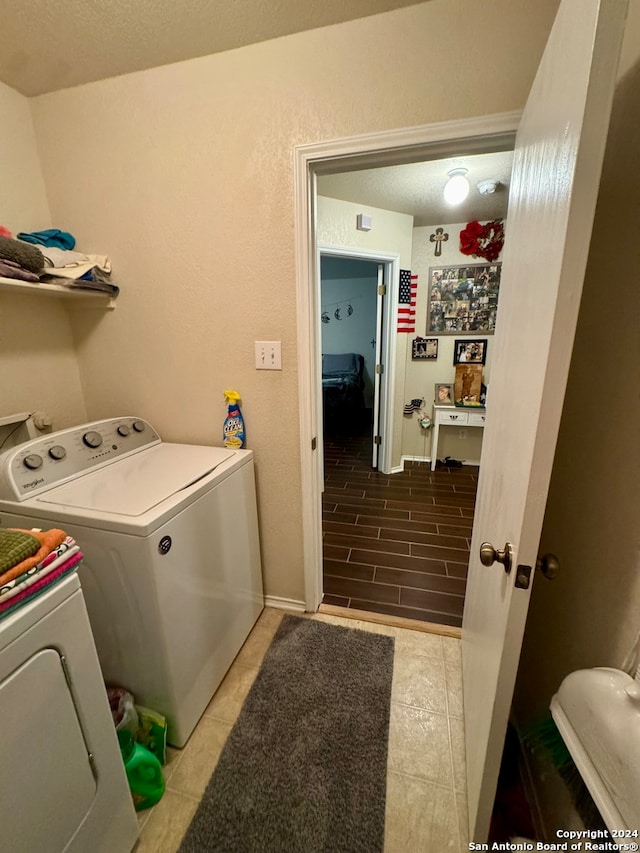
(63, 785)
(172, 575)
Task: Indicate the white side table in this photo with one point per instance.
(453, 416)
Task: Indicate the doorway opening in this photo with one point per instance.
(350, 339)
(355, 347)
(406, 443)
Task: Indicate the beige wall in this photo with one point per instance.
(421, 376)
(23, 199)
(183, 175)
(38, 365)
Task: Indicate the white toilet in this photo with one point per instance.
(597, 712)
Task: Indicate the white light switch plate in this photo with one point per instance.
(268, 355)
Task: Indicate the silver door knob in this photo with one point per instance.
(489, 555)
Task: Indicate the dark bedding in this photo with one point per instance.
(342, 383)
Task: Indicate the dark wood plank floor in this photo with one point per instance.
(396, 544)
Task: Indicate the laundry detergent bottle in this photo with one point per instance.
(144, 772)
(233, 427)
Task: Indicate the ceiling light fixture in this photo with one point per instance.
(457, 187)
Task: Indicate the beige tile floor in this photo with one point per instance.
(426, 799)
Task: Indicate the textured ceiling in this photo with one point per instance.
(49, 46)
(416, 188)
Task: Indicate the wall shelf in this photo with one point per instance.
(84, 298)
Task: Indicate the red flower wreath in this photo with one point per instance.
(482, 241)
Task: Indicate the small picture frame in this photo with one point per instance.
(424, 348)
(468, 385)
(443, 394)
(467, 351)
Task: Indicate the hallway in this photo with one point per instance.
(395, 544)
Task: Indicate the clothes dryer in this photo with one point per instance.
(172, 574)
(63, 787)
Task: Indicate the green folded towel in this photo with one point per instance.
(27, 256)
(16, 547)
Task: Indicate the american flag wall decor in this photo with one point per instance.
(407, 301)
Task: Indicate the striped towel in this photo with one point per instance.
(49, 540)
(41, 585)
(41, 570)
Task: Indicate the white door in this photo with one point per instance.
(558, 159)
(378, 385)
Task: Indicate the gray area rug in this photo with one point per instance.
(304, 768)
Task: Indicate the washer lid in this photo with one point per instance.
(134, 485)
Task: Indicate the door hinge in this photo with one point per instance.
(379, 369)
(377, 439)
(314, 442)
(382, 290)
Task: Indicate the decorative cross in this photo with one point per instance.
(439, 238)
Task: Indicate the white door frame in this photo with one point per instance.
(426, 142)
(387, 351)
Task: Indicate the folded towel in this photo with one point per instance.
(62, 552)
(34, 575)
(43, 584)
(49, 237)
(77, 270)
(49, 539)
(16, 546)
(10, 269)
(54, 257)
(21, 253)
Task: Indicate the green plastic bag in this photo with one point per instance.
(152, 732)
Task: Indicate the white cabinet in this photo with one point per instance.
(449, 415)
(477, 418)
(452, 416)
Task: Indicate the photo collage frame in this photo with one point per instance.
(463, 299)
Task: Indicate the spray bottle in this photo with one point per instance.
(233, 427)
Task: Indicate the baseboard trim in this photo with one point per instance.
(404, 459)
(393, 621)
(284, 603)
(427, 459)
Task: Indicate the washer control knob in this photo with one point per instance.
(33, 461)
(92, 439)
(57, 452)
(123, 430)
(138, 426)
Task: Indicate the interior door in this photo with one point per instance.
(558, 159)
(377, 375)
